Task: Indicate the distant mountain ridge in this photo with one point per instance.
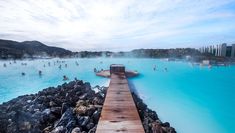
(28, 49)
(35, 49)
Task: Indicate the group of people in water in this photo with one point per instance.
(40, 73)
(155, 68)
(62, 63)
(23, 64)
(96, 71)
(5, 65)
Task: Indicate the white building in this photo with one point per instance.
(206, 62)
(223, 49)
(217, 50)
(233, 51)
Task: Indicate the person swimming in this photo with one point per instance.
(65, 78)
(23, 74)
(66, 65)
(166, 69)
(59, 66)
(4, 65)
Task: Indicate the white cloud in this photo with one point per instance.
(118, 25)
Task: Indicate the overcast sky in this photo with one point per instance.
(118, 24)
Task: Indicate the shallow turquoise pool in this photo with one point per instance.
(193, 99)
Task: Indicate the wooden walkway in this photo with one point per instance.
(119, 113)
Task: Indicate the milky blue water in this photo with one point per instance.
(193, 99)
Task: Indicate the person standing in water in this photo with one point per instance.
(77, 63)
(65, 78)
(40, 73)
(155, 68)
(95, 70)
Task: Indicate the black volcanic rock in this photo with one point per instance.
(17, 50)
(33, 113)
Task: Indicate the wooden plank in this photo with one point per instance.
(119, 113)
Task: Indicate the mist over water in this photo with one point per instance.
(193, 99)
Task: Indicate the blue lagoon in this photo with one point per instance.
(192, 98)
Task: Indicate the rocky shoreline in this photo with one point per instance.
(73, 107)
